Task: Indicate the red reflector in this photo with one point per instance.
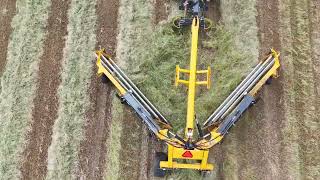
(187, 154)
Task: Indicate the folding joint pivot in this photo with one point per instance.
(206, 82)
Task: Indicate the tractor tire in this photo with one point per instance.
(158, 172)
(104, 79)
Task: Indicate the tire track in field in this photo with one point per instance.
(7, 11)
(93, 148)
(44, 113)
(216, 153)
(268, 155)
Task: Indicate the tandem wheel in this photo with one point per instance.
(205, 173)
(159, 172)
(269, 81)
(104, 79)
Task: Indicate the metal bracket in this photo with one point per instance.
(178, 81)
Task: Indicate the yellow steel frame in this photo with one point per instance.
(175, 148)
(177, 153)
(272, 72)
(102, 70)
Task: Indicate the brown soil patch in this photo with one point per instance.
(263, 135)
(7, 11)
(213, 12)
(34, 164)
(161, 11)
(93, 148)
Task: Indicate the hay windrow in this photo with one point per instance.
(113, 142)
(73, 96)
(18, 82)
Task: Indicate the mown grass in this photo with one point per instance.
(113, 142)
(134, 23)
(19, 82)
(300, 100)
(73, 97)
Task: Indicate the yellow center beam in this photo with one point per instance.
(192, 78)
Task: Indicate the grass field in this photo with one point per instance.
(18, 82)
(74, 100)
(277, 139)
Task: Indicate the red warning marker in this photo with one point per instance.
(187, 154)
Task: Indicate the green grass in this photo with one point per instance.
(19, 82)
(154, 71)
(63, 156)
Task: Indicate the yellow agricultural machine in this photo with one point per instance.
(188, 152)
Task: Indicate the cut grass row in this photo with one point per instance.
(134, 24)
(18, 82)
(301, 137)
(113, 143)
(63, 155)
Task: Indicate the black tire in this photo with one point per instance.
(204, 173)
(122, 100)
(104, 79)
(158, 172)
(269, 81)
